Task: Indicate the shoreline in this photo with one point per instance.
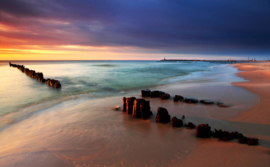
(253, 121)
(259, 77)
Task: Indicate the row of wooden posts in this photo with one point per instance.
(140, 108)
(37, 75)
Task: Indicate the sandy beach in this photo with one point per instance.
(83, 132)
(253, 122)
(259, 83)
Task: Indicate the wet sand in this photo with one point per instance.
(259, 76)
(253, 122)
(85, 132)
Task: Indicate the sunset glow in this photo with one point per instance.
(118, 30)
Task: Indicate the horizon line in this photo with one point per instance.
(130, 60)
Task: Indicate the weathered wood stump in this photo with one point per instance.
(203, 131)
(206, 101)
(129, 105)
(137, 108)
(145, 110)
(190, 125)
(225, 135)
(53, 83)
(57, 84)
(176, 122)
(146, 93)
(31, 73)
(124, 104)
(191, 100)
(249, 141)
(26, 71)
(39, 76)
(156, 93)
(141, 109)
(178, 98)
(21, 68)
(164, 96)
(163, 115)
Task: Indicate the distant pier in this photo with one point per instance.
(212, 61)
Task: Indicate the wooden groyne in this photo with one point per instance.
(37, 75)
(140, 108)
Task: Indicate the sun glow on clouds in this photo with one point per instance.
(16, 45)
(121, 30)
(27, 43)
(73, 52)
(90, 53)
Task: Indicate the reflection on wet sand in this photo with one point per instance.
(89, 132)
(97, 137)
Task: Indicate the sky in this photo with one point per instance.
(134, 30)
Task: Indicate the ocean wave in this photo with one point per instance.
(88, 80)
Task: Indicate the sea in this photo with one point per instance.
(98, 79)
(73, 126)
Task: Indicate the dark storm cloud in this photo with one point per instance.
(169, 26)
